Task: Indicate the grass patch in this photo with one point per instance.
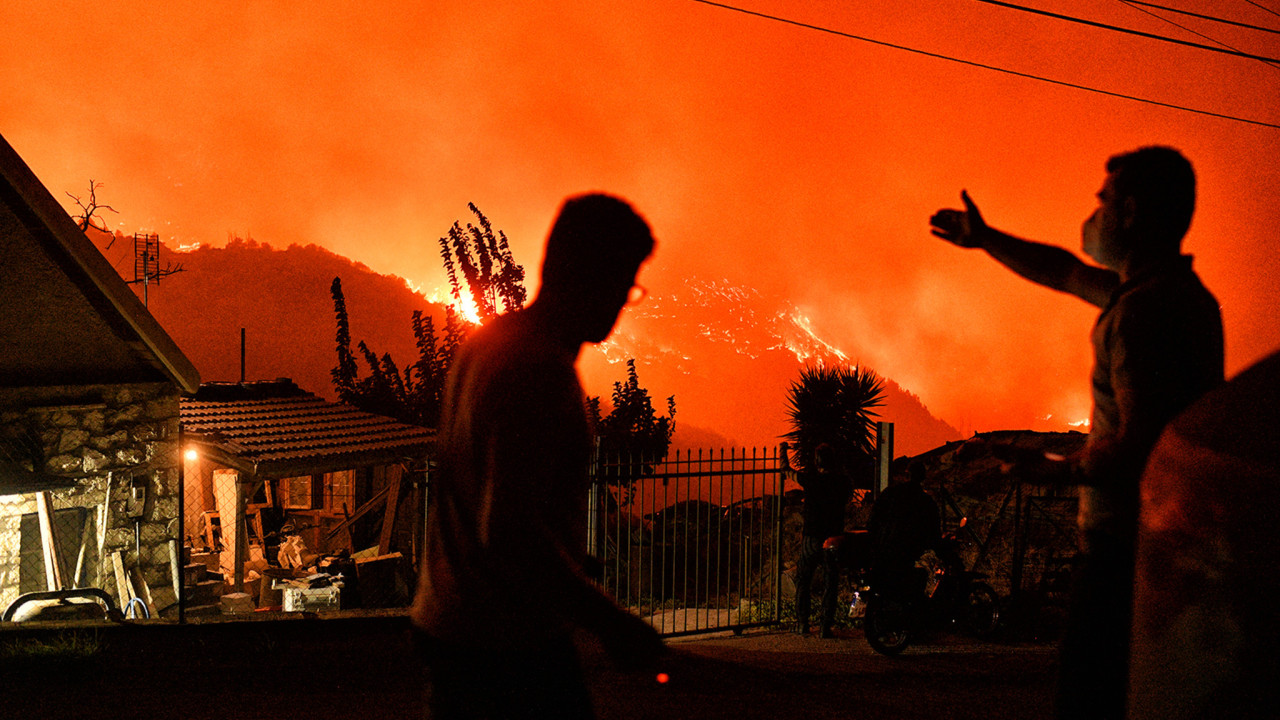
(70, 646)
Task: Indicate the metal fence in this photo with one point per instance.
(691, 542)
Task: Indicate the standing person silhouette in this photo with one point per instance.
(1157, 346)
(826, 494)
(503, 583)
(904, 523)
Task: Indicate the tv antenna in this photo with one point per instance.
(146, 262)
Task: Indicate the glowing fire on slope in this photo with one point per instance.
(815, 347)
(467, 307)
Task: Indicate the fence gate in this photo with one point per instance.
(690, 542)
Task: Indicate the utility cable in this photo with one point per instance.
(1263, 7)
(1136, 6)
(971, 63)
(1210, 18)
(1130, 31)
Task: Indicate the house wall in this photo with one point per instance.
(104, 435)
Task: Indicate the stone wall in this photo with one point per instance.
(105, 436)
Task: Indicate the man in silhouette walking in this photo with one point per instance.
(503, 581)
(1157, 346)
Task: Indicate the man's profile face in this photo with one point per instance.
(608, 300)
(1102, 234)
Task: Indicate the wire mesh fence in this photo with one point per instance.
(341, 539)
(89, 496)
(690, 542)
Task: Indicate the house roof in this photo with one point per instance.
(66, 316)
(275, 429)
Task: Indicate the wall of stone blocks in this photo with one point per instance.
(103, 436)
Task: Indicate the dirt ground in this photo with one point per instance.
(364, 668)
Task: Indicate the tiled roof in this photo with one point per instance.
(279, 430)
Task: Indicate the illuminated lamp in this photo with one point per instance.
(192, 455)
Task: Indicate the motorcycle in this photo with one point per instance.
(941, 595)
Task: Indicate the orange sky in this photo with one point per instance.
(801, 163)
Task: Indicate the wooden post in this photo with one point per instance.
(230, 498)
(884, 456)
(389, 516)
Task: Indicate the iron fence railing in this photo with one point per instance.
(691, 542)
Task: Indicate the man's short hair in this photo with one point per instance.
(595, 236)
(916, 472)
(1163, 186)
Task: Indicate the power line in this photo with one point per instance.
(1210, 18)
(971, 63)
(1263, 7)
(1135, 6)
(1130, 31)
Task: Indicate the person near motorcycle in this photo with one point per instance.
(826, 494)
(904, 524)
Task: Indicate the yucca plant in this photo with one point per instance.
(834, 405)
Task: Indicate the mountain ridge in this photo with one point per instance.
(726, 352)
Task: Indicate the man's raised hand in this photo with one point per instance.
(963, 228)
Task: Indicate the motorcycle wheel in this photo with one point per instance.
(982, 610)
(887, 626)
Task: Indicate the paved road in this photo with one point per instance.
(314, 670)
(776, 674)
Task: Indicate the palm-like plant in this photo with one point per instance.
(834, 405)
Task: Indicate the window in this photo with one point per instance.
(338, 491)
(301, 493)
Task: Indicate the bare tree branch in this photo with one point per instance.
(90, 210)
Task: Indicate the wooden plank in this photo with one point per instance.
(86, 537)
(124, 590)
(372, 503)
(389, 516)
(53, 571)
(142, 590)
(175, 569)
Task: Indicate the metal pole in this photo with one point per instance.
(179, 585)
(777, 542)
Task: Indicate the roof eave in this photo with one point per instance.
(81, 253)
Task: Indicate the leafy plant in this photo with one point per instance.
(632, 435)
(414, 396)
(834, 405)
(487, 266)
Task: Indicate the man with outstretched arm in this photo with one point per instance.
(1157, 347)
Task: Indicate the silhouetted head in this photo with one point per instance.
(916, 473)
(824, 458)
(1144, 207)
(594, 251)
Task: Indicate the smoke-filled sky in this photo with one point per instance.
(799, 162)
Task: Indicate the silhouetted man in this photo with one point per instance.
(904, 523)
(826, 494)
(503, 581)
(1157, 347)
